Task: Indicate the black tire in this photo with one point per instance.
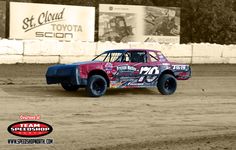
(69, 87)
(97, 86)
(167, 84)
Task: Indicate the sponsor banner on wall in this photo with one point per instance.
(46, 21)
(129, 23)
(2, 18)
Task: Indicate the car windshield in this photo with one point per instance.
(109, 57)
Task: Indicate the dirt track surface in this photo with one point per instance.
(201, 115)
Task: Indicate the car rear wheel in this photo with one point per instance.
(167, 84)
(97, 86)
(69, 87)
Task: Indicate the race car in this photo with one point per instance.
(124, 68)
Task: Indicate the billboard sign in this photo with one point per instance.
(129, 23)
(47, 21)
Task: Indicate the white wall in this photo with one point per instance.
(40, 51)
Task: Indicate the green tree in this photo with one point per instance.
(208, 21)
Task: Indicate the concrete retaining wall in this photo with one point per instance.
(38, 51)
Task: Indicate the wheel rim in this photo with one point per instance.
(69, 85)
(98, 86)
(170, 84)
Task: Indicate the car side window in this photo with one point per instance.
(125, 57)
(153, 56)
(138, 56)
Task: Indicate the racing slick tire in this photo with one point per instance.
(69, 87)
(167, 84)
(97, 86)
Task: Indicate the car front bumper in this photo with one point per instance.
(64, 74)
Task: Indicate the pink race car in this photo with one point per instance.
(128, 68)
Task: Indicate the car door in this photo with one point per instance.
(136, 69)
(129, 70)
(124, 71)
(151, 71)
(148, 70)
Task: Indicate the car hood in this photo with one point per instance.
(85, 62)
(72, 65)
(66, 69)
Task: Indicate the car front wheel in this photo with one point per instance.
(167, 84)
(97, 86)
(69, 87)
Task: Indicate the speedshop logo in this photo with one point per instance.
(30, 129)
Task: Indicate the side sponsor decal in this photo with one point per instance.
(126, 68)
(179, 67)
(108, 66)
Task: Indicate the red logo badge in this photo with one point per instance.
(30, 129)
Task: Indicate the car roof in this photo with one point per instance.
(125, 50)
